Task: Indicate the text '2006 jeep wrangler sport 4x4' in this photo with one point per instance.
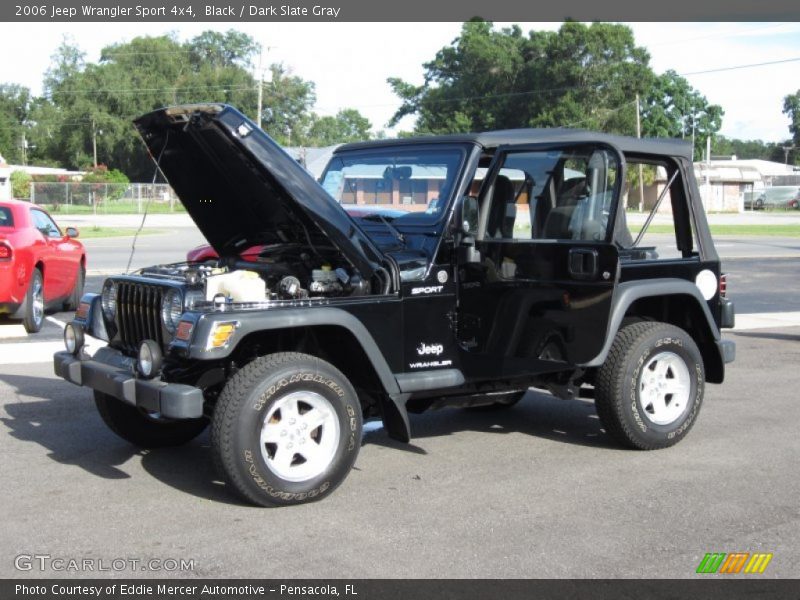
(519, 270)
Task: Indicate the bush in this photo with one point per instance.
(20, 185)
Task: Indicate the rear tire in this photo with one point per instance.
(286, 429)
(34, 303)
(143, 430)
(650, 389)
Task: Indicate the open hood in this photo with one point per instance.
(242, 189)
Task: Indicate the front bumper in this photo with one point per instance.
(110, 372)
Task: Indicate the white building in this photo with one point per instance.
(726, 184)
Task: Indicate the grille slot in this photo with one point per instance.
(139, 314)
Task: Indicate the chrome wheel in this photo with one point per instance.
(300, 436)
(37, 300)
(664, 388)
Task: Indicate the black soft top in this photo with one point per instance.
(493, 139)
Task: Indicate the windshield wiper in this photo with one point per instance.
(394, 231)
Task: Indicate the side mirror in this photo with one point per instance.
(466, 216)
(466, 226)
(72, 232)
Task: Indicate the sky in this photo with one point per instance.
(350, 62)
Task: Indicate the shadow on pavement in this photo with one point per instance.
(64, 421)
(769, 335)
(538, 414)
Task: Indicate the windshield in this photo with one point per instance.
(407, 185)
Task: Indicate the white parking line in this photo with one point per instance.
(55, 321)
(767, 320)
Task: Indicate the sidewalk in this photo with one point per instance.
(158, 220)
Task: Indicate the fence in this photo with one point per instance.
(105, 198)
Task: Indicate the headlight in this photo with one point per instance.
(171, 310)
(109, 299)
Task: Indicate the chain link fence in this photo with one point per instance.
(105, 198)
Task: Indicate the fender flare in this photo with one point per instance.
(627, 293)
(394, 409)
(289, 318)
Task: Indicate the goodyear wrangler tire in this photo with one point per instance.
(286, 429)
(650, 389)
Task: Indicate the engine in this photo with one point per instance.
(266, 280)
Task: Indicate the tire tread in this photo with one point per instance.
(227, 407)
(610, 382)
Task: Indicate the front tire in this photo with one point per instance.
(34, 303)
(145, 430)
(286, 429)
(650, 389)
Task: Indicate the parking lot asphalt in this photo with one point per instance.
(534, 491)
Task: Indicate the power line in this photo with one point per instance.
(734, 68)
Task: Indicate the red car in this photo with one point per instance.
(206, 252)
(40, 267)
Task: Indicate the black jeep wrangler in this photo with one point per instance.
(507, 263)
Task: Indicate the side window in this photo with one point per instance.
(563, 194)
(45, 224)
(6, 217)
(654, 192)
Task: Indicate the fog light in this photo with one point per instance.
(150, 359)
(73, 339)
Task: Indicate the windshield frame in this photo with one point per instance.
(408, 220)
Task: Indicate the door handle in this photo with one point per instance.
(583, 263)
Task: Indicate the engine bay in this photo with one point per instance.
(279, 275)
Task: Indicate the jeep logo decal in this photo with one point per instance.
(424, 349)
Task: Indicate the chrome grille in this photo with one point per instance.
(139, 313)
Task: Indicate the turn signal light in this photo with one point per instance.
(723, 285)
(184, 331)
(221, 333)
(83, 311)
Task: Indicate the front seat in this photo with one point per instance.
(502, 211)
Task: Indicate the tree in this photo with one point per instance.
(581, 75)
(747, 149)
(288, 100)
(348, 125)
(88, 104)
(673, 108)
(791, 108)
(15, 103)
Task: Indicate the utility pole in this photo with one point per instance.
(786, 150)
(641, 170)
(261, 80)
(94, 142)
(24, 144)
